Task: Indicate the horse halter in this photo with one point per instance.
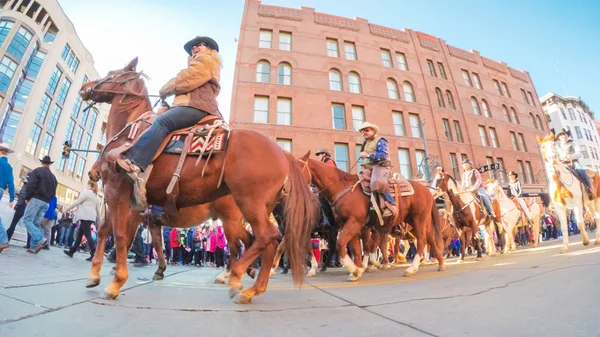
(113, 79)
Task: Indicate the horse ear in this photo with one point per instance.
(132, 65)
(306, 156)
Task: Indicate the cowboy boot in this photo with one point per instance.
(131, 170)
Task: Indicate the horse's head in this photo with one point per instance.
(303, 161)
(547, 148)
(115, 83)
(440, 181)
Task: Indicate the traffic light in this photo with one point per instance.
(66, 149)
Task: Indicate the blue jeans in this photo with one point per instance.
(3, 235)
(178, 117)
(388, 197)
(32, 219)
(584, 176)
(486, 200)
(65, 234)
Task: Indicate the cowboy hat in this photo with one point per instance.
(513, 173)
(323, 151)
(5, 147)
(210, 43)
(46, 160)
(563, 132)
(467, 161)
(367, 125)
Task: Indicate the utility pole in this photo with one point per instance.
(427, 171)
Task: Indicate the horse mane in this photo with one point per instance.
(453, 180)
(345, 176)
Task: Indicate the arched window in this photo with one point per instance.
(450, 99)
(533, 120)
(540, 122)
(354, 83)
(409, 95)
(335, 80)
(392, 87)
(440, 98)
(486, 108)
(475, 106)
(263, 71)
(284, 74)
(513, 115)
(506, 115)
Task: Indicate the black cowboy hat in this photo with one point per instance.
(513, 173)
(562, 132)
(210, 43)
(323, 151)
(46, 160)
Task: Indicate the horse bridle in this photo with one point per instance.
(114, 79)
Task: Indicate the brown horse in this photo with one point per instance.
(351, 208)
(254, 170)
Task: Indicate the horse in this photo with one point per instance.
(567, 192)
(351, 208)
(253, 170)
(511, 215)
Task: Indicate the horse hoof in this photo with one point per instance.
(478, 259)
(158, 277)
(219, 280)
(386, 266)
(109, 295)
(535, 245)
(272, 273)
(377, 265)
(252, 273)
(597, 243)
(564, 250)
(442, 268)
(460, 261)
(312, 273)
(242, 298)
(586, 242)
(370, 269)
(408, 273)
(92, 282)
(352, 278)
(234, 291)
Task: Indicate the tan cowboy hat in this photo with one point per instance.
(367, 125)
(6, 147)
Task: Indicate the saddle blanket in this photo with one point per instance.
(404, 186)
(216, 143)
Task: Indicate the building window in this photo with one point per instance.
(53, 82)
(354, 83)
(19, 43)
(69, 56)
(70, 128)
(578, 132)
(72, 162)
(35, 64)
(332, 48)
(505, 90)
(541, 125)
(5, 28)
(450, 99)
(485, 108)
(64, 90)
(392, 88)
(338, 117)
(285, 41)
(562, 112)
(494, 138)
(531, 98)
(571, 114)
(261, 109)
(529, 172)
(43, 110)
(506, 115)
(409, 96)
(405, 166)
(335, 80)
(54, 118)
(80, 169)
(78, 136)
(524, 96)
(513, 115)
(466, 78)
(350, 50)
(584, 152)
(386, 58)
(463, 157)
(265, 38)
(447, 130)
(440, 98)
(454, 165)
(284, 74)
(284, 111)
(502, 177)
(7, 71)
(431, 68)
(46, 145)
(263, 72)
(483, 136)
(398, 120)
(401, 61)
(497, 87)
(522, 171)
(358, 116)
(457, 129)
(33, 140)
(477, 81)
(415, 125)
(14, 118)
(489, 161)
(23, 91)
(86, 142)
(341, 156)
(513, 139)
(475, 106)
(442, 70)
(285, 144)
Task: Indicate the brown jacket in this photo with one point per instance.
(197, 86)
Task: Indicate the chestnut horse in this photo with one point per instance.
(254, 170)
(351, 207)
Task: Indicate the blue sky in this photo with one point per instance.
(528, 35)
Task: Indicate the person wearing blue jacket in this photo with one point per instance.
(7, 181)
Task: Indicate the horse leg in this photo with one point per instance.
(561, 212)
(434, 246)
(384, 251)
(103, 233)
(124, 230)
(367, 239)
(280, 250)
(157, 242)
(581, 225)
(595, 210)
(378, 240)
(234, 233)
(314, 265)
(414, 267)
(348, 233)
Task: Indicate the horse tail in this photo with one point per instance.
(435, 223)
(300, 212)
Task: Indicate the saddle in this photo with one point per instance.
(397, 185)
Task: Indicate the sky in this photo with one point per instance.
(531, 35)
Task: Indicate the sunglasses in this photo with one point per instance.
(201, 44)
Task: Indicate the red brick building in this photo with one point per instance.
(307, 80)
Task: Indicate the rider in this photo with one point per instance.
(515, 191)
(326, 157)
(568, 153)
(195, 88)
(374, 152)
(471, 181)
